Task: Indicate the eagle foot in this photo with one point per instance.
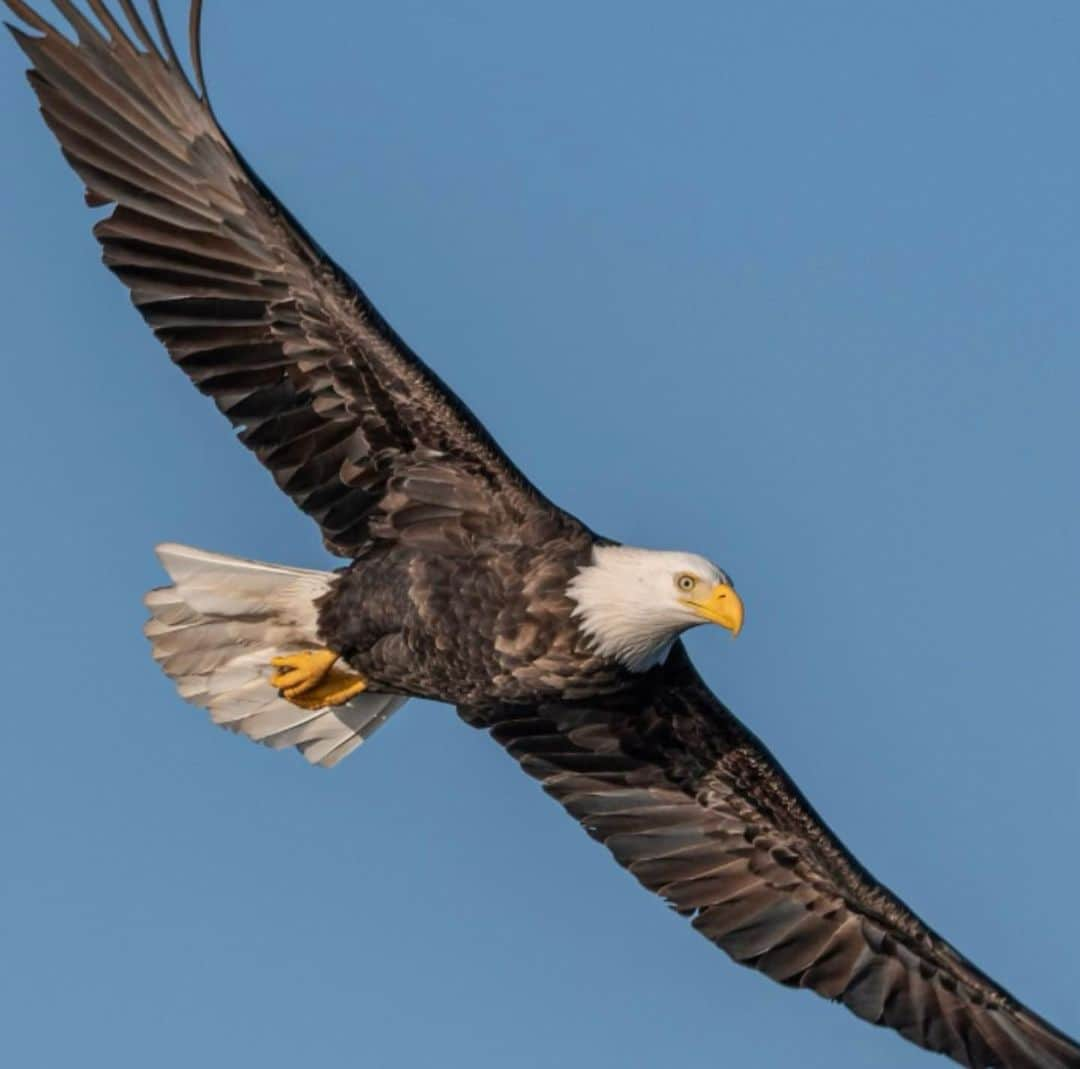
(312, 680)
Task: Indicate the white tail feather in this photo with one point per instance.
(215, 631)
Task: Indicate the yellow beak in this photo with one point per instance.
(722, 606)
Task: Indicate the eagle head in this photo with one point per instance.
(634, 603)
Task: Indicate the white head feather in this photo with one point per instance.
(629, 603)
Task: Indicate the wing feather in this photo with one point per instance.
(350, 423)
(689, 801)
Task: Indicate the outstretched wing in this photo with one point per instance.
(696, 808)
(352, 425)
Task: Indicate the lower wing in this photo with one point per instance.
(689, 801)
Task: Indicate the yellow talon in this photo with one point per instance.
(338, 687)
(311, 679)
(301, 672)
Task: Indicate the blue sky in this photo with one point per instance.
(794, 286)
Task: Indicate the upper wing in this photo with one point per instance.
(352, 425)
(696, 808)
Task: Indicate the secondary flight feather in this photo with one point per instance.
(466, 585)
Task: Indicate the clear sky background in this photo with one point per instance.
(793, 285)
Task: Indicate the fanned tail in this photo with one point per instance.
(214, 632)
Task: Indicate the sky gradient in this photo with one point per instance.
(794, 286)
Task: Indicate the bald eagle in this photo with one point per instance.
(465, 585)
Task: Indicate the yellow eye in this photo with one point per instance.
(686, 583)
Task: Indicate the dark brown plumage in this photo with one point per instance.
(352, 426)
(688, 800)
(493, 625)
(459, 586)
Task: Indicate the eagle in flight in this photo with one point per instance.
(466, 585)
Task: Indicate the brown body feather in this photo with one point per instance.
(493, 626)
(459, 587)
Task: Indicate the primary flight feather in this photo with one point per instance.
(465, 585)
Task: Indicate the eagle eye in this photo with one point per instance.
(686, 583)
